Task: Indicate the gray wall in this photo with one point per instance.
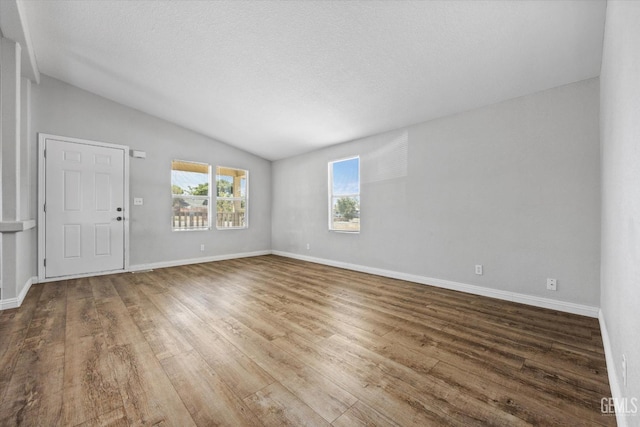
(65, 110)
(513, 186)
(620, 138)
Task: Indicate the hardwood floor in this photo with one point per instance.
(274, 341)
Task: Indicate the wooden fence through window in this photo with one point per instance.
(189, 218)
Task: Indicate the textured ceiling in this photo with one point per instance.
(281, 78)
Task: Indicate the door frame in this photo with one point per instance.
(42, 138)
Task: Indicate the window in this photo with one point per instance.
(232, 186)
(190, 195)
(344, 195)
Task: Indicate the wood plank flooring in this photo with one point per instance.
(274, 341)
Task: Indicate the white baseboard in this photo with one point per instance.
(564, 306)
(165, 264)
(162, 264)
(446, 284)
(616, 390)
(17, 302)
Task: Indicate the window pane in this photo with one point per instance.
(192, 182)
(344, 188)
(346, 177)
(232, 197)
(190, 213)
(224, 186)
(345, 213)
(190, 193)
(243, 186)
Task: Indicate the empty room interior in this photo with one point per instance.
(345, 213)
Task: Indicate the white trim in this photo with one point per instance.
(17, 302)
(616, 390)
(17, 226)
(165, 264)
(162, 264)
(42, 137)
(552, 304)
(81, 276)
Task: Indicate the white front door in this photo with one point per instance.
(84, 207)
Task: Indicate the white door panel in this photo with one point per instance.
(84, 188)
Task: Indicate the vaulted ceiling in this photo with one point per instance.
(278, 78)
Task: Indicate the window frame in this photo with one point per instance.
(331, 195)
(244, 199)
(182, 196)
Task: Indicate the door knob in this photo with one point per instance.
(119, 218)
(119, 209)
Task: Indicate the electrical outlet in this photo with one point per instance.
(624, 370)
(552, 284)
(202, 248)
(479, 269)
(308, 246)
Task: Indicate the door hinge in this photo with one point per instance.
(45, 262)
(45, 207)
(45, 153)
